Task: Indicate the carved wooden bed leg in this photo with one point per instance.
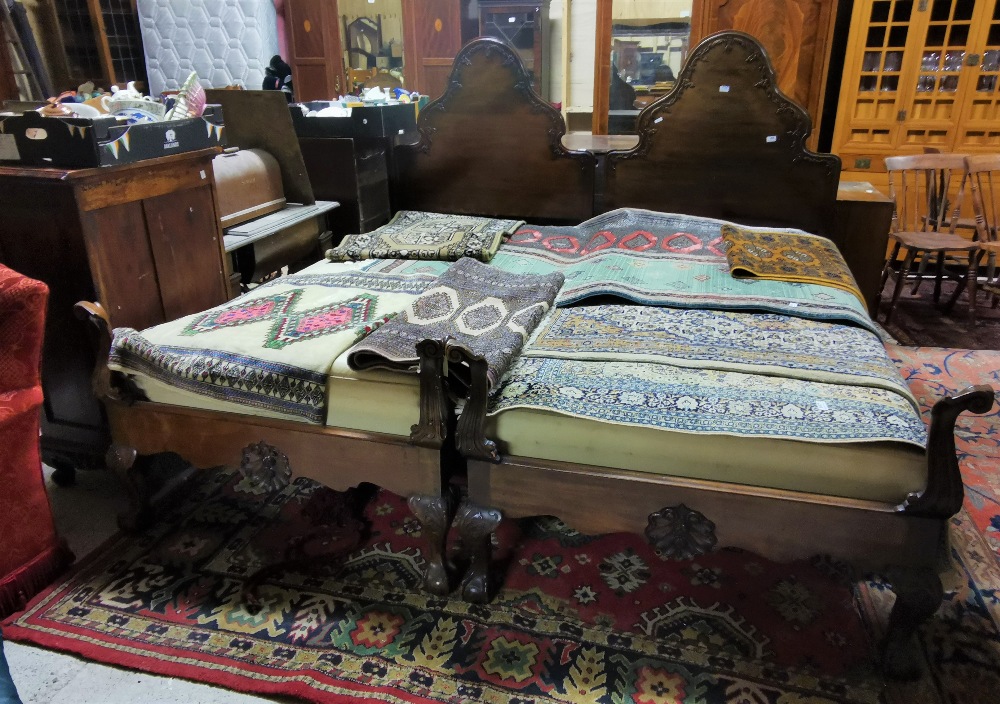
(145, 487)
(434, 514)
(121, 460)
(476, 525)
(918, 597)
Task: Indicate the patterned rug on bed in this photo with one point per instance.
(578, 620)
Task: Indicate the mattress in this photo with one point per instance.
(269, 352)
(226, 42)
(373, 401)
(883, 472)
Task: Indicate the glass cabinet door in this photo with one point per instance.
(522, 26)
(877, 71)
(919, 73)
(939, 89)
(979, 125)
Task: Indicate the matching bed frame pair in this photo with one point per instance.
(490, 146)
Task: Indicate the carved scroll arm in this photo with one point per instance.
(470, 433)
(943, 495)
(105, 383)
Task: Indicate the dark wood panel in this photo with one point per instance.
(353, 173)
(122, 264)
(861, 231)
(435, 79)
(311, 81)
(795, 34)
(305, 19)
(314, 49)
(432, 36)
(491, 146)
(190, 278)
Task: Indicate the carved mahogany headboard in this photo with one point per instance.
(491, 146)
(726, 143)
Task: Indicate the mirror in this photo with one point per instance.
(648, 41)
(371, 34)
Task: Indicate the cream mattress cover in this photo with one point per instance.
(375, 401)
(879, 471)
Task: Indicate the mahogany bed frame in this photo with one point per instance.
(490, 146)
(725, 143)
(273, 451)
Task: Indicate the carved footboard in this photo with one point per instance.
(684, 518)
(338, 458)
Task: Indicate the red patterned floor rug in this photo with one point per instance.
(579, 619)
(962, 643)
(919, 321)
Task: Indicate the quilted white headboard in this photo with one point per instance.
(225, 41)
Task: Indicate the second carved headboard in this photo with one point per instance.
(726, 143)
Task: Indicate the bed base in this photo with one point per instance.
(684, 518)
(338, 458)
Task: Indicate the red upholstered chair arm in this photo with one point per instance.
(22, 329)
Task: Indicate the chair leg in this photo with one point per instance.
(921, 268)
(900, 283)
(973, 283)
(938, 275)
(887, 269)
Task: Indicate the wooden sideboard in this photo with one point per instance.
(143, 239)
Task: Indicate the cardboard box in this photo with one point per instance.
(83, 142)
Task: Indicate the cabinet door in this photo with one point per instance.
(979, 125)
(524, 27)
(796, 34)
(938, 82)
(885, 37)
(432, 37)
(314, 44)
(184, 240)
(918, 74)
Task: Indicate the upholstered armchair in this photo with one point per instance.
(31, 554)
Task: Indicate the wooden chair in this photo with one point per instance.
(920, 187)
(984, 177)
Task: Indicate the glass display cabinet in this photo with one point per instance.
(525, 26)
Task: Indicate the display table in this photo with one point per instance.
(142, 239)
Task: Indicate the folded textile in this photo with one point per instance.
(694, 400)
(759, 343)
(787, 256)
(268, 351)
(416, 235)
(487, 310)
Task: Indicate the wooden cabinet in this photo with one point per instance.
(352, 172)
(919, 74)
(796, 34)
(143, 239)
(525, 26)
(314, 48)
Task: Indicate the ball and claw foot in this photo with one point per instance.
(476, 525)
